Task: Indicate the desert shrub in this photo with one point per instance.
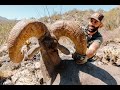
(5, 28)
(112, 19)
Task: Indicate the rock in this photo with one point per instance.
(5, 73)
(5, 58)
(3, 50)
(118, 62)
(8, 82)
(37, 65)
(24, 77)
(109, 54)
(9, 66)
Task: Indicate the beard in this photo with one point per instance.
(91, 28)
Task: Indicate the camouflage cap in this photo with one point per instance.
(97, 16)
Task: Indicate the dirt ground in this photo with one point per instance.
(103, 69)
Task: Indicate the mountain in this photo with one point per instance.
(3, 19)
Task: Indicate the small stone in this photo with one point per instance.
(8, 82)
(37, 65)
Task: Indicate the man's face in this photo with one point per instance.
(93, 25)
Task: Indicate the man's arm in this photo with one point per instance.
(92, 49)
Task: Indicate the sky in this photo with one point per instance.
(37, 11)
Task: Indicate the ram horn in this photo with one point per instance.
(72, 30)
(20, 33)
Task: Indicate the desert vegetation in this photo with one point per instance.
(5, 27)
(111, 21)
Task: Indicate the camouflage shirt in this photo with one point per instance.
(97, 37)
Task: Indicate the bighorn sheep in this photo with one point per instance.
(48, 42)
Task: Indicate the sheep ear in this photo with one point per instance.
(101, 25)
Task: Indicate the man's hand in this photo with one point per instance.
(79, 59)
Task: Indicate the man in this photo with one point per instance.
(94, 38)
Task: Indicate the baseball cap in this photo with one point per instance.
(97, 16)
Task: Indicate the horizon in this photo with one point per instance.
(19, 12)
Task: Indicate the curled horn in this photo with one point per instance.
(72, 30)
(20, 33)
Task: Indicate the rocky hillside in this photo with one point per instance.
(102, 69)
(3, 19)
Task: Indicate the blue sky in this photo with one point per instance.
(37, 11)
